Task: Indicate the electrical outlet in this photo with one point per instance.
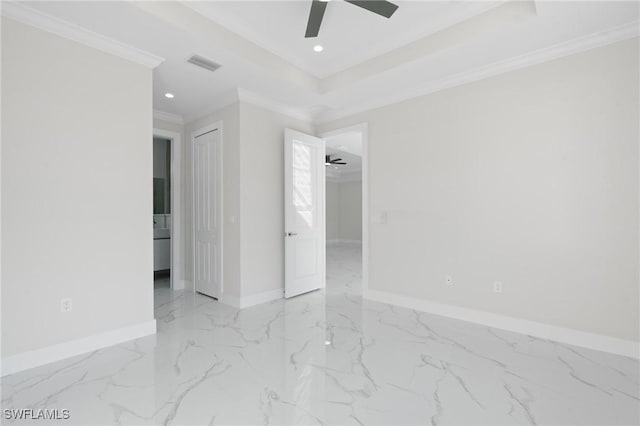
(497, 287)
(449, 280)
(65, 305)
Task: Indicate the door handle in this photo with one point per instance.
(291, 234)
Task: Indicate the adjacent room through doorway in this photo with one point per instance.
(344, 225)
(161, 212)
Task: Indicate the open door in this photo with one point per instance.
(304, 213)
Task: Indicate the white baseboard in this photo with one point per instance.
(584, 339)
(26, 360)
(178, 285)
(263, 297)
(185, 284)
(230, 300)
(341, 242)
(252, 299)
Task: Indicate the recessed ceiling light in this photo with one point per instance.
(168, 95)
(318, 48)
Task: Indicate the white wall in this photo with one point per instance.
(351, 211)
(332, 200)
(262, 192)
(344, 210)
(76, 190)
(169, 126)
(530, 178)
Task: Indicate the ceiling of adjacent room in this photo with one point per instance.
(368, 61)
(350, 142)
(354, 162)
(348, 147)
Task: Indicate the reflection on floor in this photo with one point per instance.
(330, 358)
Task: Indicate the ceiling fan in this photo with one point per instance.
(329, 162)
(379, 7)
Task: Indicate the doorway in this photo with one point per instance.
(346, 212)
(161, 213)
(167, 210)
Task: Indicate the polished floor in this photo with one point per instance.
(329, 357)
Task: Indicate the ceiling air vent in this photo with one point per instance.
(203, 63)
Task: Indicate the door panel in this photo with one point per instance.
(206, 213)
(304, 213)
(305, 253)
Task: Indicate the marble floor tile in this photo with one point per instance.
(329, 357)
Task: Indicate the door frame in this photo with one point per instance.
(219, 201)
(176, 276)
(363, 128)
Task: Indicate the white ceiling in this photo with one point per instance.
(348, 33)
(264, 55)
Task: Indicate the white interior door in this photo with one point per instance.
(206, 184)
(304, 213)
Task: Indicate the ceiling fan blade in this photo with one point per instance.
(380, 7)
(315, 18)
(339, 163)
(336, 159)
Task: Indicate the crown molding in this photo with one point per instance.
(258, 100)
(246, 96)
(43, 21)
(168, 117)
(577, 45)
(592, 41)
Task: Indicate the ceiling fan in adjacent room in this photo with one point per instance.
(379, 7)
(331, 162)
